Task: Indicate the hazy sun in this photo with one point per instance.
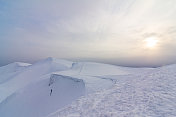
(151, 42)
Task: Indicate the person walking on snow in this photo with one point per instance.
(51, 92)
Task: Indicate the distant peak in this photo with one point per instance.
(49, 59)
(46, 60)
(19, 64)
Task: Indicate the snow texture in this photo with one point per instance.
(43, 97)
(147, 95)
(60, 88)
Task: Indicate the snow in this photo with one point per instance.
(35, 100)
(13, 67)
(148, 95)
(56, 64)
(31, 74)
(94, 69)
(60, 88)
(92, 74)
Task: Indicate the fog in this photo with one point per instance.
(108, 31)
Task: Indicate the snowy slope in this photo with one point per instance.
(31, 74)
(9, 71)
(149, 95)
(94, 69)
(97, 76)
(13, 67)
(36, 100)
(30, 86)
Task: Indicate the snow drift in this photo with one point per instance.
(13, 67)
(9, 71)
(47, 86)
(152, 94)
(29, 74)
(37, 100)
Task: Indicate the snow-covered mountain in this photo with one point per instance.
(57, 88)
(151, 94)
(13, 67)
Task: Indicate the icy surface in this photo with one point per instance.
(9, 71)
(28, 75)
(13, 67)
(37, 100)
(60, 88)
(147, 95)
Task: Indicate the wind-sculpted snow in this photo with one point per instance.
(13, 67)
(41, 98)
(97, 69)
(48, 87)
(55, 77)
(147, 95)
(94, 74)
(30, 74)
(9, 71)
(56, 64)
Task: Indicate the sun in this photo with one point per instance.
(151, 42)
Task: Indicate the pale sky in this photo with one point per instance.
(121, 32)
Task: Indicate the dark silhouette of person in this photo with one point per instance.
(51, 92)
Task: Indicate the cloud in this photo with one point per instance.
(99, 29)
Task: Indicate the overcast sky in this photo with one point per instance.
(111, 31)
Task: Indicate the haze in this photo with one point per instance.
(121, 32)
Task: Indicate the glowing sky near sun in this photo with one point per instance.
(151, 42)
(125, 32)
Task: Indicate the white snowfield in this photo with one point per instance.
(37, 100)
(59, 88)
(148, 95)
(11, 70)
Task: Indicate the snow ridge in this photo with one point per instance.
(48, 87)
(13, 67)
(148, 95)
(55, 77)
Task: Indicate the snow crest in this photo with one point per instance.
(40, 99)
(60, 88)
(147, 95)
